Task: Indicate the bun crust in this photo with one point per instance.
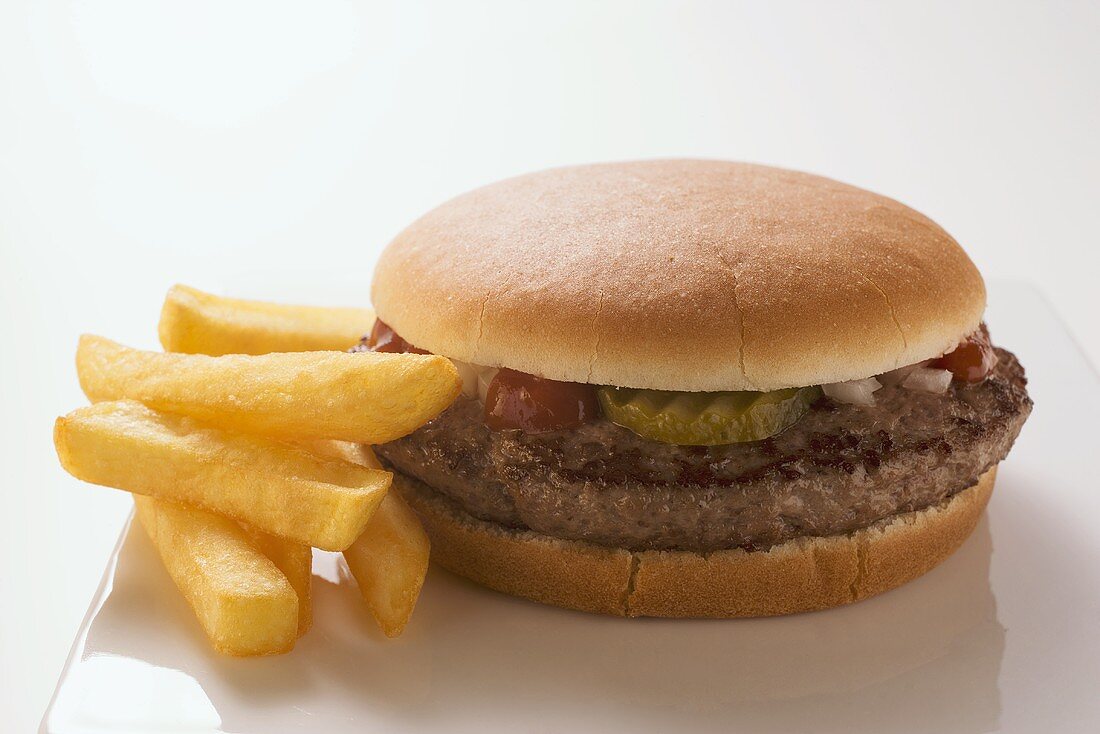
(679, 275)
(800, 575)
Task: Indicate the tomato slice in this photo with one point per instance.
(384, 339)
(972, 360)
(536, 405)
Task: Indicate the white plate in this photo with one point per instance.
(1004, 636)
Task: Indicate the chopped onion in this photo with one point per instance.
(485, 375)
(896, 377)
(468, 374)
(854, 392)
(927, 379)
(475, 378)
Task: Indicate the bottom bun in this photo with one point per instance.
(800, 575)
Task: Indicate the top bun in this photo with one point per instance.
(679, 275)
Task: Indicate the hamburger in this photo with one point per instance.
(695, 388)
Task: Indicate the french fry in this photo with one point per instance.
(244, 603)
(366, 398)
(390, 559)
(355, 453)
(389, 562)
(200, 323)
(296, 562)
(274, 487)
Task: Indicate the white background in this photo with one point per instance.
(271, 149)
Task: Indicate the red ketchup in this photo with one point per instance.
(384, 339)
(972, 360)
(514, 399)
(536, 405)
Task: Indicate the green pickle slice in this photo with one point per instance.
(705, 418)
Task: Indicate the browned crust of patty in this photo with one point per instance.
(801, 575)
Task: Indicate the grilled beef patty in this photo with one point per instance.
(841, 467)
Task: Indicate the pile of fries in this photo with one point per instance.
(244, 444)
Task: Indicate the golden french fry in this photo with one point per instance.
(356, 453)
(390, 559)
(296, 562)
(200, 323)
(274, 487)
(244, 603)
(389, 562)
(367, 398)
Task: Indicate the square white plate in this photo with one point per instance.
(1004, 636)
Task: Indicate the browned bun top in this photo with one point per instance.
(679, 275)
